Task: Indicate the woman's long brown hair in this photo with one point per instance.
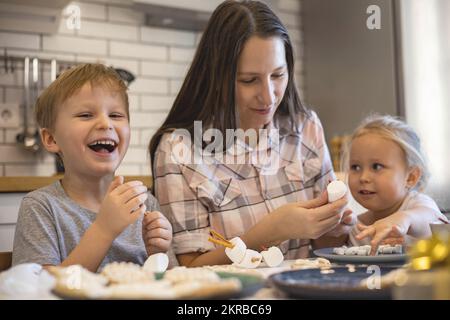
(208, 91)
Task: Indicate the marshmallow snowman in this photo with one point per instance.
(251, 259)
(273, 256)
(336, 190)
(237, 253)
(157, 262)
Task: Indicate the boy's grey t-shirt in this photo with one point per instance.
(50, 225)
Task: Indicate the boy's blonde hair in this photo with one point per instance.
(69, 82)
(396, 130)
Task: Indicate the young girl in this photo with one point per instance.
(386, 175)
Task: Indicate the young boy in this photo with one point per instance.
(89, 217)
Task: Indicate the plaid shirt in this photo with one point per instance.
(231, 198)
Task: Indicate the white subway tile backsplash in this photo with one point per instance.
(63, 29)
(181, 54)
(14, 95)
(11, 135)
(41, 55)
(136, 155)
(30, 170)
(135, 139)
(117, 14)
(108, 31)
(160, 69)
(15, 154)
(134, 102)
(290, 20)
(19, 40)
(143, 85)
(75, 45)
(289, 5)
(12, 78)
(147, 120)
(166, 36)
(91, 11)
(129, 65)
(175, 86)
(146, 135)
(129, 170)
(143, 51)
(152, 103)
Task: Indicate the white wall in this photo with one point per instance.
(113, 33)
(9, 208)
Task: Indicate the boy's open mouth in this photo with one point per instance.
(103, 146)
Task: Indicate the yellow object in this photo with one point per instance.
(430, 253)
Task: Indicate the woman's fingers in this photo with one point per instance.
(329, 210)
(314, 203)
(328, 224)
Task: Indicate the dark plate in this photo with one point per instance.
(342, 284)
(382, 258)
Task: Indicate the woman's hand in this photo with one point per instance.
(348, 220)
(309, 219)
(389, 230)
(123, 204)
(156, 232)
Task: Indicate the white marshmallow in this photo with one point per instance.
(398, 249)
(273, 256)
(251, 260)
(339, 251)
(336, 190)
(237, 253)
(157, 262)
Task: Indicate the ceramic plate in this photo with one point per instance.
(327, 253)
(343, 283)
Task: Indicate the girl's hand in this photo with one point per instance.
(123, 204)
(156, 232)
(309, 219)
(391, 229)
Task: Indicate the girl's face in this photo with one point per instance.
(92, 131)
(261, 80)
(378, 177)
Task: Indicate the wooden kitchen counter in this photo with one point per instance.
(27, 184)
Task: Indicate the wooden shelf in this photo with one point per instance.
(27, 184)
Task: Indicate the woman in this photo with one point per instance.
(242, 77)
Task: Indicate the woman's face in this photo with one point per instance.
(261, 80)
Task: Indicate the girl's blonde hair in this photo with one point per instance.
(398, 131)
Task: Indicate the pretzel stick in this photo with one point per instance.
(221, 242)
(218, 235)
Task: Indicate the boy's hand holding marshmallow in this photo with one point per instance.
(156, 232)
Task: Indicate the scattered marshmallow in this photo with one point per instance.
(273, 256)
(157, 262)
(336, 190)
(365, 250)
(237, 253)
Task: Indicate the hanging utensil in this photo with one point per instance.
(29, 140)
(53, 70)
